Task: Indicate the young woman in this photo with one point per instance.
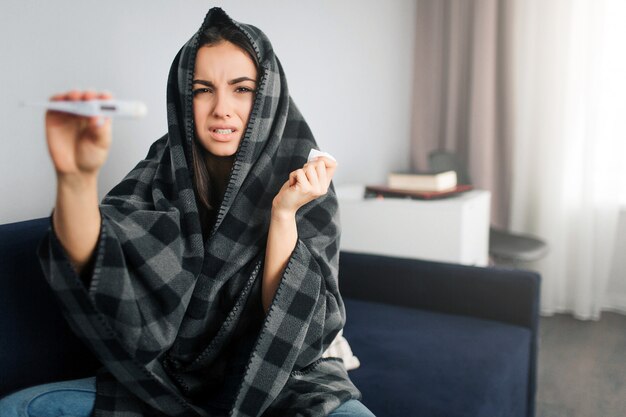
(206, 281)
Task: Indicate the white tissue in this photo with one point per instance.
(315, 153)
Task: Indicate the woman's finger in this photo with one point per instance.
(105, 95)
(322, 175)
(89, 95)
(98, 122)
(302, 183)
(311, 175)
(58, 97)
(331, 165)
(74, 95)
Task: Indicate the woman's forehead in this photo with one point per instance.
(224, 58)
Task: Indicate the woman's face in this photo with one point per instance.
(224, 85)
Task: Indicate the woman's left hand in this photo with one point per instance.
(304, 185)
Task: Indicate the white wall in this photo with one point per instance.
(348, 63)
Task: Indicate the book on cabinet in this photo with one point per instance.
(424, 182)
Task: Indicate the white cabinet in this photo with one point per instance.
(453, 229)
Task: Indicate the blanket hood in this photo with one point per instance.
(267, 120)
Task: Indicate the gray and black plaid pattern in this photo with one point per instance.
(175, 319)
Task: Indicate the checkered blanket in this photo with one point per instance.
(176, 320)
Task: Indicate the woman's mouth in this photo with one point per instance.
(223, 134)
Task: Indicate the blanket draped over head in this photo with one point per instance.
(176, 320)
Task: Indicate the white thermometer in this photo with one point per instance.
(107, 108)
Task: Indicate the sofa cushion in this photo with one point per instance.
(440, 364)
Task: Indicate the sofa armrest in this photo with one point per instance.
(36, 343)
(505, 295)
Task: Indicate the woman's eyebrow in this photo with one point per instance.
(231, 82)
(240, 79)
(207, 83)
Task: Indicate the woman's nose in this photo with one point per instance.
(222, 107)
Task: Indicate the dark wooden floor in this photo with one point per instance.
(582, 367)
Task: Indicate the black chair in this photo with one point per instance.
(505, 248)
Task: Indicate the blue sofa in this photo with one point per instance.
(433, 339)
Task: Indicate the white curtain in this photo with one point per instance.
(569, 168)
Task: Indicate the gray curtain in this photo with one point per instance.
(462, 100)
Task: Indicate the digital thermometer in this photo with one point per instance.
(91, 108)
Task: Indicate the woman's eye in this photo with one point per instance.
(201, 90)
(245, 90)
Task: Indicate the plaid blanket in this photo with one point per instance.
(177, 321)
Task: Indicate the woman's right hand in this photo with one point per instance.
(78, 145)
